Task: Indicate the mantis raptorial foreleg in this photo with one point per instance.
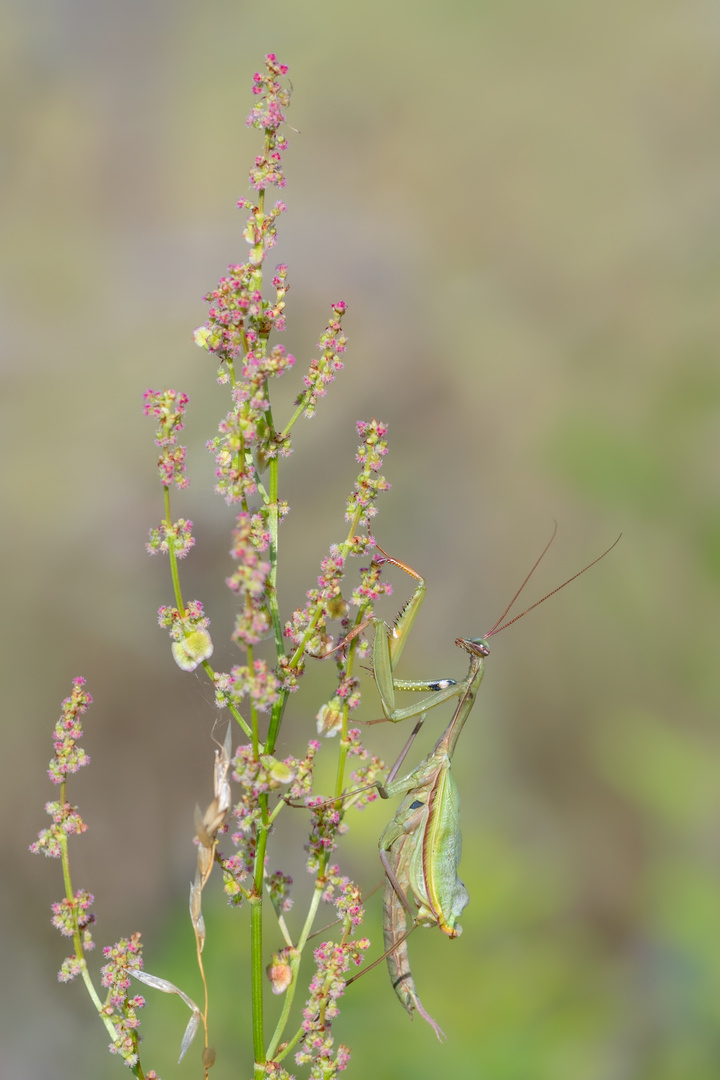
(389, 643)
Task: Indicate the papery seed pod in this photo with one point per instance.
(193, 649)
(278, 771)
(279, 972)
(329, 718)
(337, 608)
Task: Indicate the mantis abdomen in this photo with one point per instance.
(395, 931)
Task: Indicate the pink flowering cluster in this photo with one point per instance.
(69, 757)
(177, 537)
(325, 826)
(179, 625)
(72, 966)
(322, 372)
(302, 784)
(65, 912)
(168, 407)
(238, 316)
(371, 587)
(66, 821)
(267, 115)
(120, 1007)
(72, 915)
(369, 773)
(345, 895)
(236, 868)
(307, 626)
(361, 503)
(239, 320)
(289, 673)
(250, 536)
(245, 430)
(258, 683)
(278, 886)
(327, 987)
(256, 777)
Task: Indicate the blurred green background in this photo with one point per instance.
(519, 202)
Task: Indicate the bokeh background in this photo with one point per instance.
(519, 202)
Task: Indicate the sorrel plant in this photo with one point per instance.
(251, 785)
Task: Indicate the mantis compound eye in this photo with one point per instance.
(476, 646)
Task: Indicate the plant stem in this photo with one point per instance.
(256, 914)
(273, 526)
(295, 966)
(173, 558)
(77, 941)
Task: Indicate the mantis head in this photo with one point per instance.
(475, 646)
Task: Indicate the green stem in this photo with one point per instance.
(77, 935)
(273, 526)
(256, 913)
(173, 558)
(299, 651)
(295, 417)
(253, 710)
(354, 526)
(77, 941)
(314, 905)
(287, 1005)
(295, 966)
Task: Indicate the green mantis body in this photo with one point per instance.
(420, 848)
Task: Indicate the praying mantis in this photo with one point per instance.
(420, 848)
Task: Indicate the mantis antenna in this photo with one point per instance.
(495, 629)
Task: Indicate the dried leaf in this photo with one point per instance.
(190, 1033)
